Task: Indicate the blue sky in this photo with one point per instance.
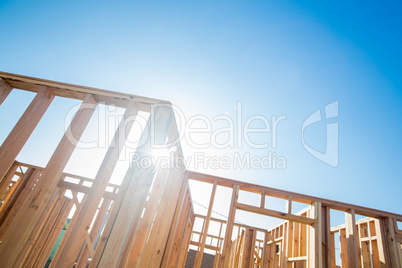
(277, 58)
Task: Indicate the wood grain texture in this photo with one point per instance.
(21, 132)
(39, 199)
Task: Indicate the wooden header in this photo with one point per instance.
(297, 197)
(78, 92)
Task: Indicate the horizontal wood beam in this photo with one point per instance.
(206, 246)
(209, 235)
(296, 259)
(78, 92)
(83, 189)
(274, 213)
(234, 224)
(64, 175)
(296, 197)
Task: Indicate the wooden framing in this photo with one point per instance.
(306, 238)
(79, 230)
(39, 199)
(71, 91)
(229, 227)
(149, 220)
(28, 210)
(24, 128)
(198, 259)
(296, 197)
(351, 239)
(5, 90)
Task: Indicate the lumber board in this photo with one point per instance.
(284, 244)
(33, 236)
(110, 224)
(165, 225)
(333, 257)
(45, 231)
(21, 132)
(264, 260)
(83, 189)
(125, 189)
(61, 184)
(315, 241)
(274, 213)
(162, 218)
(77, 205)
(296, 240)
(303, 250)
(95, 231)
(133, 202)
(171, 260)
(227, 243)
(262, 199)
(141, 234)
(5, 182)
(351, 239)
(234, 224)
(326, 236)
(297, 197)
(79, 92)
(200, 252)
(38, 199)
(344, 248)
(11, 208)
(184, 251)
(288, 208)
(56, 229)
(248, 252)
(392, 245)
(89, 207)
(5, 90)
(176, 206)
(197, 244)
(166, 219)
(289, 239)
